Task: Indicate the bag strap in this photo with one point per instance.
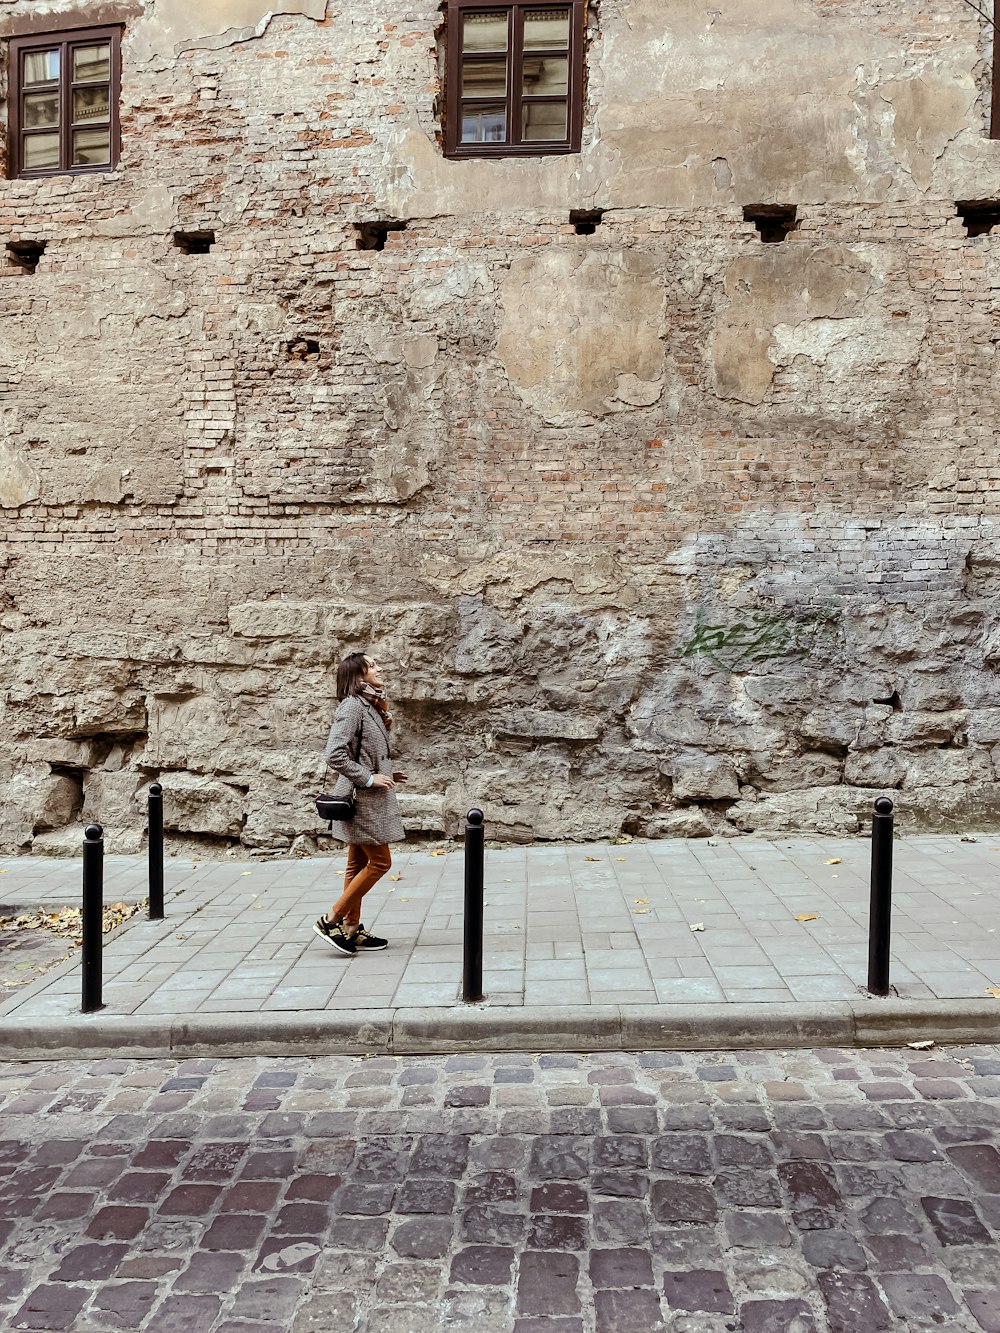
(357, 754)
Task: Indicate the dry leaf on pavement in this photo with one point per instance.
(833, 861)
(994, 991)
(807, 916)
(698, 926)
(920, 1045)
(591, 858)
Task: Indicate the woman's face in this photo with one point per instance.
(373, 673)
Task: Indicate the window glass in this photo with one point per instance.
(544, 120)
(486, 123)
(91, 147)
(548, 75)
(91, 63)
(41, 67)
(40, 109)
(485, 32)
(546, 29)
(41, 150)
(484, 78)
(91, 103)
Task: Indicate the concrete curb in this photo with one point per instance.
(866, 1022)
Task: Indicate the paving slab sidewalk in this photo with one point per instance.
(586, 947)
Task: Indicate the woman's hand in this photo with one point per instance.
(399, 777)
(380, 781)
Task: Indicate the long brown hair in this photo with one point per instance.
(350, 680)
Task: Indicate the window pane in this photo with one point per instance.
(91, 62)
(41, 67)
(484, 124)
(40, 150)
(484, 78)
(91, 103)
(546, 29)
(40, 109)
(544, 120)
(484, 32)
(545, 75)
(91, 147)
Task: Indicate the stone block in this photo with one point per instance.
(703, 778)
(422, 814)
(201, 805)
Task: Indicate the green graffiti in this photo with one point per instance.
(763, 636)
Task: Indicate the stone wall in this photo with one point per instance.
(662, 529)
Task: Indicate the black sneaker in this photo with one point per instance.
(333, 933)
(363, 940)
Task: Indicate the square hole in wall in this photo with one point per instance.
(194, 242)
(25, 254)
(773, 221)
(979, 216)
(586, 220)
(373, 235)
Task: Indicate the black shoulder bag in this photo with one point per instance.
(341, 808)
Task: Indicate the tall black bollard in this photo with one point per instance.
(880, 920)
(472, 954)
(156, 852)
(93, 916)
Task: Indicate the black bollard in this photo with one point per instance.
(472, 953)
(156, 852)
(880, 920)
(93, 917)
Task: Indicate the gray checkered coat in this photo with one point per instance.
(378, 819)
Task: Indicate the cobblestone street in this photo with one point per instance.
(758, 1191)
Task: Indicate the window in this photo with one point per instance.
(64, 102)
(515, 78)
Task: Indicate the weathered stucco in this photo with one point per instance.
(661, 528)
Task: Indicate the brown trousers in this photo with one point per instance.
(366, 864)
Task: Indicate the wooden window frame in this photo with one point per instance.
(514, 99)
(66, 40)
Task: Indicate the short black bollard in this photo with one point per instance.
(472, 953)
(880, 920)
(156, 852)
(93, 916)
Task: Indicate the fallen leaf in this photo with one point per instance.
(439, 851)
(404, 900)
(640, 900)
(395, 876)
(640, 911)
(591, 858)
(619, 858)
(994, 991)
(833, 861)
(920, 1045)
(807, 916)
(244, 873)
(699, 926)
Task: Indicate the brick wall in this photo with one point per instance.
(622, 510)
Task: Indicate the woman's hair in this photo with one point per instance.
(350, 680)
(350, 673)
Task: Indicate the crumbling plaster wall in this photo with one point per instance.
(661, 528)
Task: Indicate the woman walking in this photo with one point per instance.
(358, 749)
